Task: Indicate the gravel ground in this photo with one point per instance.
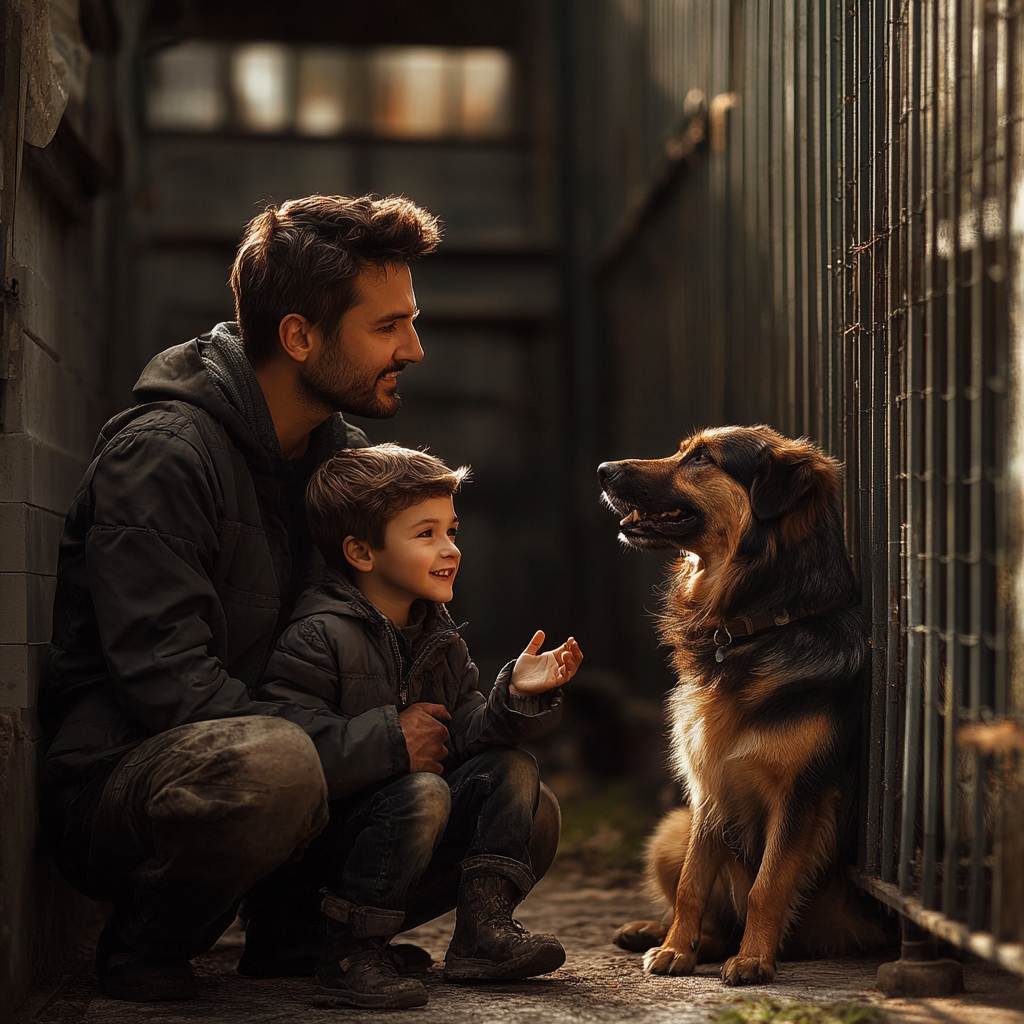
(598, 983)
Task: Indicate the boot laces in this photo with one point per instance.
(369, 960)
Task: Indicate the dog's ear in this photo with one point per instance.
(794, 483)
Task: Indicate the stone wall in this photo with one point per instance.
(57, 224)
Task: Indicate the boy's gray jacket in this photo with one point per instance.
(172, 582)
(340, 654)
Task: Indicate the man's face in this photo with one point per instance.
(356, 371)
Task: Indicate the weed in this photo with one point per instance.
(770, 1010)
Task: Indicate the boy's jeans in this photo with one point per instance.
(395, 858)
(406, 840)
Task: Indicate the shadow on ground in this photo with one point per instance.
(597, 984)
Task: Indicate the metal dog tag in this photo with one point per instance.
(720, 655)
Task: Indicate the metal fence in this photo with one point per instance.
(810, 214)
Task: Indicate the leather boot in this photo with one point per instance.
(361, 972)
(488, 945)
(357, 967)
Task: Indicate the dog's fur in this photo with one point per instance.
(761, 725)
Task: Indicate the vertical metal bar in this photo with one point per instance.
(803, 216)
(974, 57)
(1013, 851)
(956, 511)
(926, 71)
(820, 142)
(752, 214)
(916, 510)
(846, 116)
(778, 58)
(998, 273)
(885, 444)
(887, 274)
(718, 196)
(765, 134)
(994, 243)
(840, 192)
(873, 579)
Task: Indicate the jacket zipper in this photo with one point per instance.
(435, 640)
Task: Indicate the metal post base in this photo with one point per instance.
(920, 978)
(919, 972)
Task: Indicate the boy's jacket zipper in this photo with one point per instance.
(432, 643)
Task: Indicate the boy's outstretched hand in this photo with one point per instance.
(537, 673)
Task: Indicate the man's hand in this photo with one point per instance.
(536, 673)
(426, 736)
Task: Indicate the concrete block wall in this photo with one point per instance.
(60, 226)
(53, 403)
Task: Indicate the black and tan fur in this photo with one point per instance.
(761, 738)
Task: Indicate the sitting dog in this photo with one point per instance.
(767, 647)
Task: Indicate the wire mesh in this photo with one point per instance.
(837, 258)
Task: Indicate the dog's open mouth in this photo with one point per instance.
(674, 522)
(640, 524)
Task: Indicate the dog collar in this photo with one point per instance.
(744, 626)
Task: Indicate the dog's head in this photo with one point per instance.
(720, 485)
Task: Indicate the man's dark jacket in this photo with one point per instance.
(174, 580)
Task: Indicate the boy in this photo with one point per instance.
(437, 777)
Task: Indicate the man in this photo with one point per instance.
(166, 789)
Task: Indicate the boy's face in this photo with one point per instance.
(419, 558)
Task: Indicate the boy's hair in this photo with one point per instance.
(360, 490)
(304, 256)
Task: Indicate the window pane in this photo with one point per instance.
(185, 91)
(415, 91)
(261, 83)
(486, 92)
(330, 91)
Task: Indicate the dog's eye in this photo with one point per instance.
(701, 459)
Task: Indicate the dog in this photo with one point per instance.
(767, 646)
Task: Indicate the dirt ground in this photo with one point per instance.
(598, 983)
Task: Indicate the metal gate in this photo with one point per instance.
(811, 214)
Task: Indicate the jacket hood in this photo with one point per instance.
(178, 374)
(182, 374)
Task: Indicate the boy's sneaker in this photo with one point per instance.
(488, 945)
(362, 973)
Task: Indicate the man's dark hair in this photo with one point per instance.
(304, 256)
(360, 490)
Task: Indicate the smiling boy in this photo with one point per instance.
(437, 780)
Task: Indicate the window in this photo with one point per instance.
(399, 92)
(186, 92)
(261, 87)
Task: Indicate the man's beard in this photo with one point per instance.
(333, 384)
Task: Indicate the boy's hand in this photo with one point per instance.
(426, 736)
(537, 673)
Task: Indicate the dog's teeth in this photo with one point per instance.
(633, 517)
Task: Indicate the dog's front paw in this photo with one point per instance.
(748, 970)
(666, 960)
(638, 936)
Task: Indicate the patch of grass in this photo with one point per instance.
(605, 830)
(767, 1010)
